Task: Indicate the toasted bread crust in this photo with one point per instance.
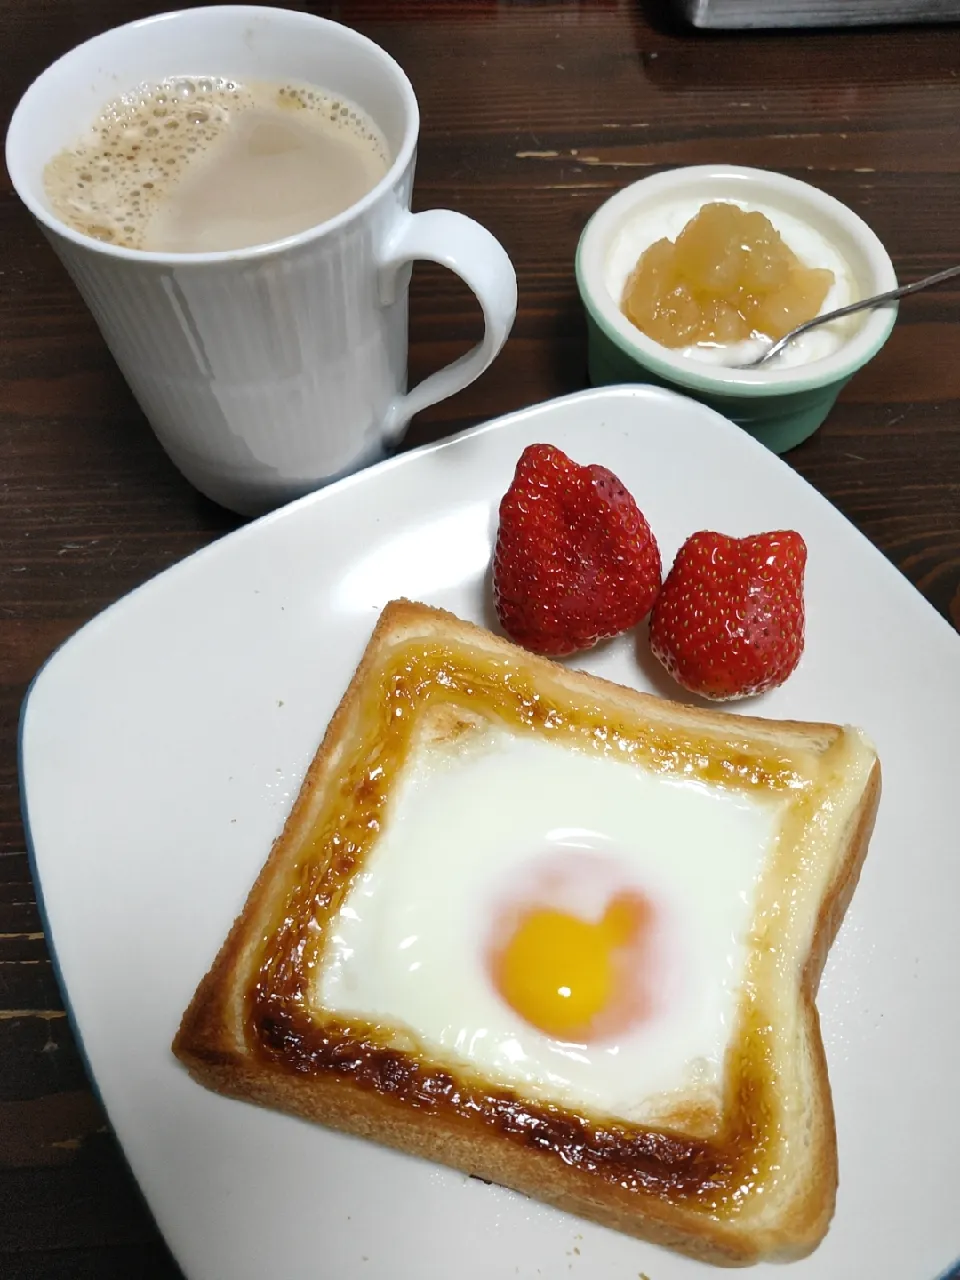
(214, 1039)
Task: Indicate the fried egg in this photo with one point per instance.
(569, 926)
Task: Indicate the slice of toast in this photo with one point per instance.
(744, 1172)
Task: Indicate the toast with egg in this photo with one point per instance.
(558, 934)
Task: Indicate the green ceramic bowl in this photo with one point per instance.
(782, 404)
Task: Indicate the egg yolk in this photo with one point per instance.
(561, 973)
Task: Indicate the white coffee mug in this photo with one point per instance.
(265, 372)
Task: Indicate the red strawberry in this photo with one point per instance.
(575, 560)
(729, 620)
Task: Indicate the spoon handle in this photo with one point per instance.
(876, 301)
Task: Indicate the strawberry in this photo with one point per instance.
(729, 620)
(575, 561)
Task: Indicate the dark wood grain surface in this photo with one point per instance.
(533, 113)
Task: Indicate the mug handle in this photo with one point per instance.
(481, 262)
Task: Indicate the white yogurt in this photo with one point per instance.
(649, 225)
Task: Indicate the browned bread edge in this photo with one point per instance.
(210, 1040)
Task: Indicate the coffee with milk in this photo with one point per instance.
(200, 165)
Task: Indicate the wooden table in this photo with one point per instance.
(533, 113)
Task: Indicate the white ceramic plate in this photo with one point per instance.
(162, 746)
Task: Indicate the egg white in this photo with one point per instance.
(409, 946)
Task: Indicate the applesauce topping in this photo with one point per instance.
(727, 277)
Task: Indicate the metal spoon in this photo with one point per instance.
(863, 305)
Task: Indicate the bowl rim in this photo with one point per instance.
(681, 370)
